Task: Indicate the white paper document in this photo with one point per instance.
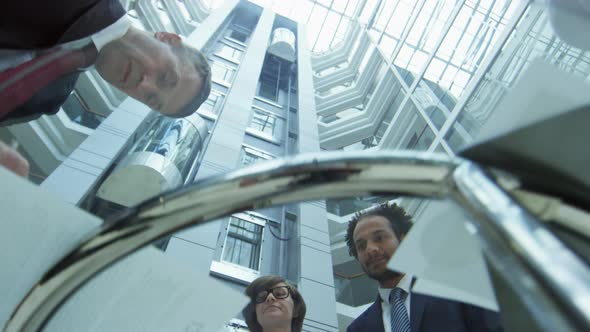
(147, 291)
(445, 258)
(36, 230)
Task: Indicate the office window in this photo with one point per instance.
(273, 78)
(221, 73)
(212, 106)
(251, 155)
(243, 242)
(265, 124)
(79, 112)
(228, 52)
(238, 34)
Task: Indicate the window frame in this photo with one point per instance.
(218, 53)
(223, 81)
(212, 115)
(273, 138)
(261, 222)
(260, 154)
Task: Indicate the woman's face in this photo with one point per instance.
(275, 312)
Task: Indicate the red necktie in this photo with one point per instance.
(19, 84)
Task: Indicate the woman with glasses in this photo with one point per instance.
(274, 306)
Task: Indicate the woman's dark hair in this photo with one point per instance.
(264, 283)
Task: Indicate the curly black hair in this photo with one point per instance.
(399, 220)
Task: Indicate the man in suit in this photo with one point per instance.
(156, 69)
(372, 238)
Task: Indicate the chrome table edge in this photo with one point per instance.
(308, 176)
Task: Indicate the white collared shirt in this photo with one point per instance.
(13, 58)
(405, 283)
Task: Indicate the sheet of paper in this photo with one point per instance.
(147, 291)
(36, 230)
(445, 258)
(150, 291)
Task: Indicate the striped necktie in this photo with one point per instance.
(19, 84)
(399, 315)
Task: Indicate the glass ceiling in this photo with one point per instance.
(434, 44)
(327, 21)
(329, 18)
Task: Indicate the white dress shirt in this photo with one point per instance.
(405, 283)
(13, 58)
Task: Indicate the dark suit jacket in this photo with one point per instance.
(39, 24)
(429, 313)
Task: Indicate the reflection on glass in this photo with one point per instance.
(176, 139)
(533, 38)
(410, 130)
(79, 112)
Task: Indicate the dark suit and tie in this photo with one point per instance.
(157, 69)
(33, 25)
(429, 314)
(373, 237)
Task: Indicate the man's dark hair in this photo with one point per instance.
(199, 61)
(266, 282)
(399, 220)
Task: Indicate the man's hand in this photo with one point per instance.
(12, 160)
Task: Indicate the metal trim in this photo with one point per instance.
(562, 280)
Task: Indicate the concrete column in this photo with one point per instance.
(223, 152)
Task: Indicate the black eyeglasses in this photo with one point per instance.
(279, 292)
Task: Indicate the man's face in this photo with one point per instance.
(375, 243)
(146, 68)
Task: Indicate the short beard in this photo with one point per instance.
(385, 275)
